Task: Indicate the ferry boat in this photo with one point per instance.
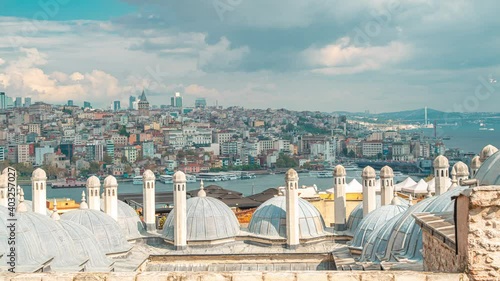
(165, 179)
(209, 177)
(190, 178)
(137, 180)
(68, 183)
(321, 174)
(247, 176)
(351, 167)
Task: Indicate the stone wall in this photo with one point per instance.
(438, 257)
(240, 276)
(483, 237)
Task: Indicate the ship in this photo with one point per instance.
(321, 174)
(68, 183)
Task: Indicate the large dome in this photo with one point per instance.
(31, 256)
(270, 219)
(129, 221)
(374, 220)
(87, 245)
(55, 242)
(207, 218)
(105, 229)
(376, 243)
(489, 172)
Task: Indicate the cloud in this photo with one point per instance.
(343, 57)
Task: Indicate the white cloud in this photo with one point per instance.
(343, 57)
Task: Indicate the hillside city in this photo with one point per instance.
(73, 140)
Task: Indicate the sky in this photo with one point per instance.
(376, 55)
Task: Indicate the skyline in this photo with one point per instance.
(419, 53)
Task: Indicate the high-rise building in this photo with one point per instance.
(131, 101)
(116, 105)
(86, 104)
(9, 103)
(18, 102)
(70, 102)
(27, 102)
(200, 103)
(3, 101)
(176, 101)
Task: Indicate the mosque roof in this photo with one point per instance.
(269, 219)
(129, 221)
(376, 243)
(489, 172)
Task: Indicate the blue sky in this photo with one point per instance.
(383, 55)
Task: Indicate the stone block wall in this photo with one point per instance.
(438, 257)
(483, 237)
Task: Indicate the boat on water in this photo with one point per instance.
(137, 180)
(68, 183)
(247, 176)
(169, 179)
(209, 177)
(351, 167)
(321, 174)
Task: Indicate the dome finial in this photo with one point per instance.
(21, 207)
(410, 200)
(55, 216)
(83, 204)
(395, 200)
(202, 192)
(429, 191)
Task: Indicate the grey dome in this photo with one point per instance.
(54, 240)
(376, 243)
(489, 172)
(129, 221)
(87, 245)
(374, 220)
(105, 229)
(207, 218)
(30, 254)
(270, 219)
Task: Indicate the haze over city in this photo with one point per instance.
(315, 55)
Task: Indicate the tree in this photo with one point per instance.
(351, 154)
(94, 167)
(285, 161)
(107, 159)
(123, 131)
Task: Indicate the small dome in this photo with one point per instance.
(489, 172)
(487, 152)
(441, 162)
(86, 245)
(269, 219)
(374, 220)
(93, 181)
(376, 243)
(148, 175)
(38, 174)
(368, 172)
(55, 241)
(475, 163)
(339, 171)
(386, 172)
(179, 177)
(129, 221)
(291, 175)
(461, 169)
(208, 219)
(110, 181)
(105, 229)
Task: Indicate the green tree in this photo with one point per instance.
(285, 161)
(123, 131)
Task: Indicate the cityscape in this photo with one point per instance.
(249, 140)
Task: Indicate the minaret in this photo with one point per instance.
(93, 191)
(292, 212)
(4, 200)
(369, 201)
(462, 172)
(386, 185)
(441, 174)
(55, 215)
(339, 186)
(180, 223)
(111, 197)
(475, 164)
(21, 206)
(148, 200)
(39, 191)
(487, 151)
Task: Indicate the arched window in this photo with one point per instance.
(113, 192)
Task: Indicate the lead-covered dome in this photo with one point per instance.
(129, 221)
(208, 219)
(376, 243)
(87, 245)
(269, 219)
(374, 220)
(105, 229)
(489, 172)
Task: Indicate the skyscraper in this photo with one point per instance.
(200, 103)
(3, 101)
(116, 105)
(86, 104)
(27, 102)
(176, 101)
(131, 101)
(18, 102)
(70, 102)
